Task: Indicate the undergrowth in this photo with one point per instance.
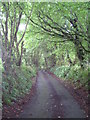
(74, 74)
(16, 83)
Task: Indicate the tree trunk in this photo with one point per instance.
(46, 63)
(69, 59)
(20, 59)
(76, 41)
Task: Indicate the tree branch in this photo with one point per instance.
(17, 27)
(60, 41)
(84, 48)
(3, 28)
(6, 24)
(25, 27)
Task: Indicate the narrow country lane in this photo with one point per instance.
(51, 100)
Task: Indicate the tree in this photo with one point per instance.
(69, 27)
(13, 17)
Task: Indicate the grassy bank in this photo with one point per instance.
(74, 74)
(17, 83)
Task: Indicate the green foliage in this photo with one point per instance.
(60, 71)
(1, 66)
(17, 83)
(55, 35)
(72, 73)
(7, 100)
